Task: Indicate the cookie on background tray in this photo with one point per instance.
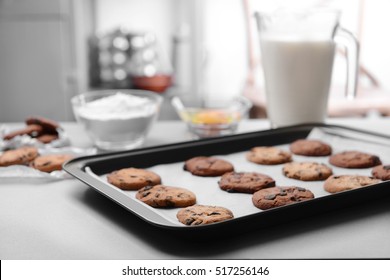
(279, 196)
(339, 183)
(133, 178)
(203, 214)
(20, 156)
(312, 148)
(207, 166)
(307, 171)
(268, 155)
(381, 172)
(354, 159)
(50, 163)
(245, 182)
(160, 196)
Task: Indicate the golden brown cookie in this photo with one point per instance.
(20, 156)
(312, 148)
(160, 196)
(203, 214)
(307, 171)
(32, 130)
(133, 178)
(381, 172)
(278, 196)
(245, 182)
(49, 163)
(268, 155)
(207, 166)
(341, 183)
(49, 126)
(354, 159)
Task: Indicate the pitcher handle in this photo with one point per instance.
(351, 45)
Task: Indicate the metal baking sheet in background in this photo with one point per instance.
(170, 158)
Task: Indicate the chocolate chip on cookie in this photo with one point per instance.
(341, 183)
(160, 196)
(50, 163)
(354, 159)
(20, 156)
(381, 172)
(133, 178)
(268, 155)
(278, 196)
(307, 171)
(207, 166)
(313, 148)
(203, 214)
(245, 182)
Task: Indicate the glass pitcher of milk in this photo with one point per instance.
(297, 50)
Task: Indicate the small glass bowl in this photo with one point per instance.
(212, 118)
(117, 119)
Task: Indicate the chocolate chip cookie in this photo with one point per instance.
(50, 163)
(203, 214)
(312, 148)
(49, 126)
(133, 178)
(245, 182)
(341, 183)
(354, 159)
(307, 171)
(20, 156)
(381, 172)
(268, 155)
(278, 196)
(160, 196)
(207, 166)
(32, 130)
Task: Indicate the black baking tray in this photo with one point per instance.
(179, 152)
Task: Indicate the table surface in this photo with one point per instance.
(68, 220)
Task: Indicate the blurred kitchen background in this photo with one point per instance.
(51, 50)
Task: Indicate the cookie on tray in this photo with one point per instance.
(133, 178)
(354, 159)
(245, 182)
(20, 156)
(160, 196)
(381, 172)
(268, 155)
(311, 148)
(50, 163)
(339, 183)
(307, 171)
(207, 166)
(203, 214)
(279, 196)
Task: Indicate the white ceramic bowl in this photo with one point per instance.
(117, 119)
(212, 118)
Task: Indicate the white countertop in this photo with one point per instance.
(69, 220)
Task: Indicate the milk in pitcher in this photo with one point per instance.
(297, 73)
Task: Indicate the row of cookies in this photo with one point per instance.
(150, 191)
(29, 156)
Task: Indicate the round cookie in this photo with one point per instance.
(278, 196)
(49, 163)
(307, 171)
(381, 172)
(48, 125)
(203, 214)
(160, 196)
(207, 166)
(341, 183)
(312, 148)
(245, 182)
(354, 159)
(32, 130)
(268, 155)
(21, 156)
(133, 178)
